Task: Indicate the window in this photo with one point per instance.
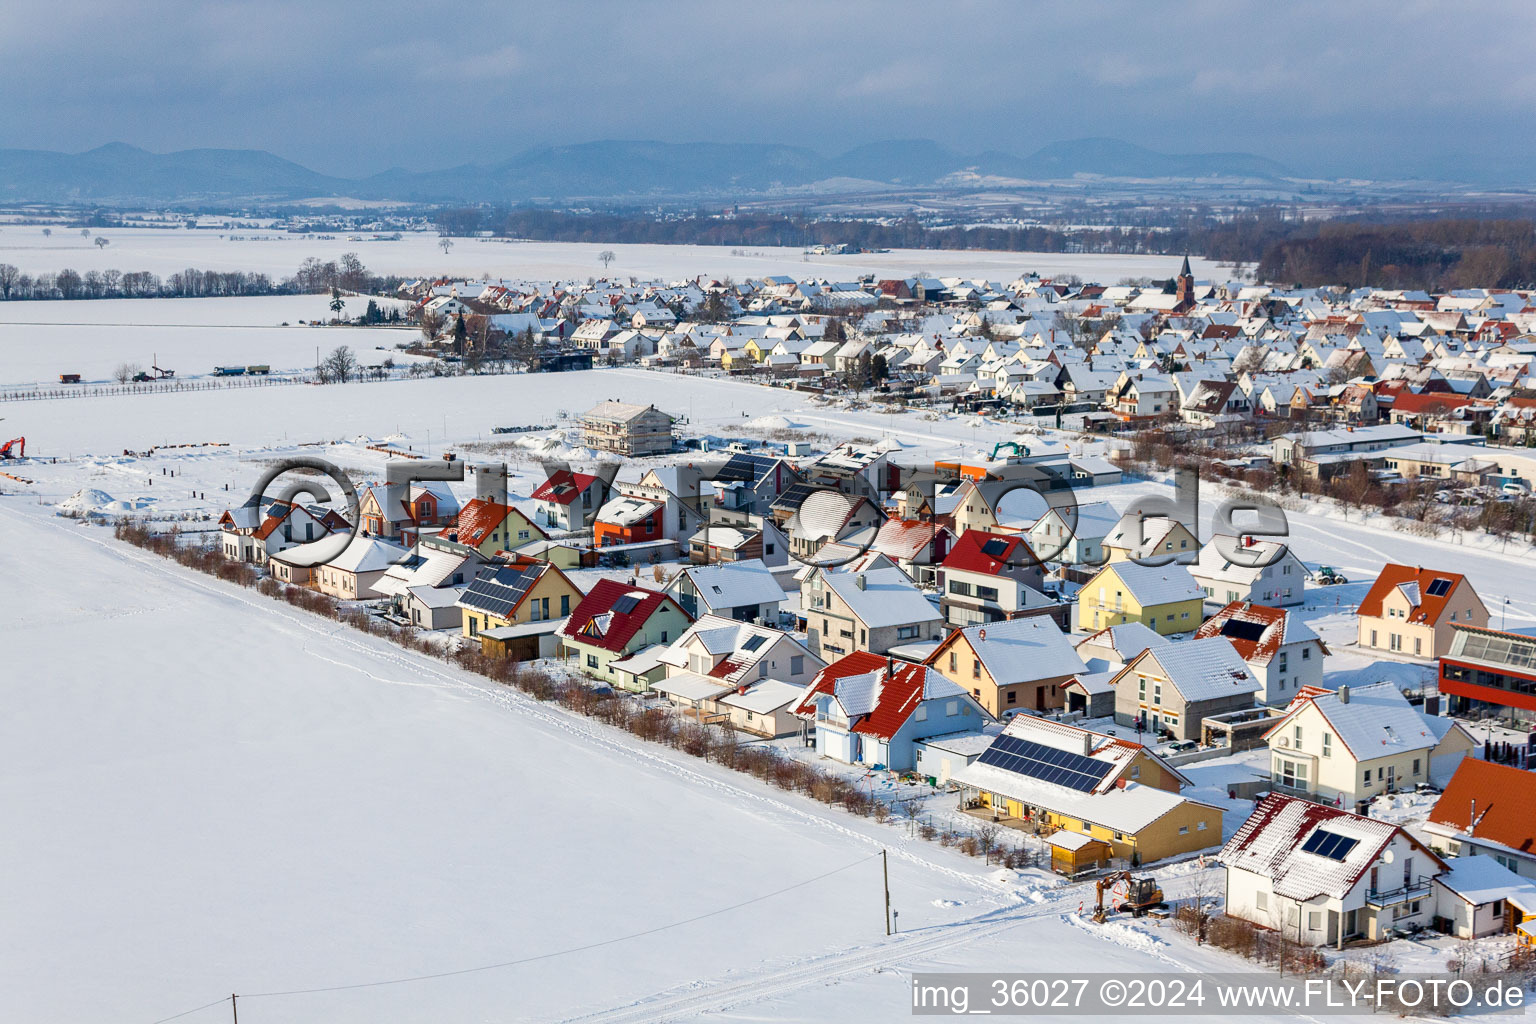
(1183, 830)
(1314, 920)
(1261, 900)
(796, 664)
(1366, 780)
(1327, 744)
(1415, 766)
(1306, 654)
(762, 670)
(975, 668)
(1135, 771)
(591, 661)
(921, 714)
(1200, 826)
(1296, 737)
(474, 626)
(953, 662)
(1013, 697)
(952, 708)
(1141, 687)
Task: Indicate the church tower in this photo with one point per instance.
(1186, 286)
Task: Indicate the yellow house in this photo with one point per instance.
(755, 351)
(1164, 598)
(1154, 539)
(1009, 666)
(522, 592)
(1414, 611)
(1092, 795)
(490, 526)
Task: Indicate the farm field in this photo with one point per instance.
(166, 251)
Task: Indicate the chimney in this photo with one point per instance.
(890, 666)
(1087, 743)
(1344, 694)
(1472, 818)
(858, 581)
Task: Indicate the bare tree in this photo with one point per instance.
(10, 274)
(47, 232)
(102, 242)
(125, 372)
(606, 257)
(445, 243)
(338, 367)
(85, 232)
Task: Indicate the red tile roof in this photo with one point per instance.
(1429, 402)
(478, 518)
(900, 690)
(1269, 622)
(1428, 608)
(594, 622)
(563, 487)
(968, 554)
(1505, 798)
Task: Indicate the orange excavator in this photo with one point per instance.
(1142, 894)
(15, 448)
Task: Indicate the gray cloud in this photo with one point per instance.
(352, 88)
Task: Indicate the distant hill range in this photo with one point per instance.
(121, 174)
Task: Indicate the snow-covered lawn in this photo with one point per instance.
(41, 340)
(277, 253)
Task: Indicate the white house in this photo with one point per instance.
(1281, 651)
(1264, 572)
(1324, 876)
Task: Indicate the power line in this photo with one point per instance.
(530, 959)
(188, 1013)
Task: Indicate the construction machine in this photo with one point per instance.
(1142, 895)
(1015, 449)
(1328, 576)
(15, 448)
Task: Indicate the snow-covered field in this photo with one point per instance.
(40, 340)
(204, 791)
(166, 251)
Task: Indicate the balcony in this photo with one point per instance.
(1418, 889)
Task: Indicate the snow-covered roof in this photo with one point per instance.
(732, 584)
(887, 597)
(1371, 721)
(1130, 809)
(763, 697)
(691, 686)
(1270, 844)
(1480, 879)
(367, 554)
(1200, 670)
(1153, 585)
(1023, 649)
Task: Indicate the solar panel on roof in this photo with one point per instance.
(1048, 764)
(754, 642)
(1439, 586)
(626, 604)
(1238, 629)
(499, 592)
(1329, 844)
(994, 548)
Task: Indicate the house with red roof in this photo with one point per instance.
(1411, 611)
(246, 536)
(1324, 876)
(990, 577)
(400, 512)
(1281, 650)
(616, 620)
(867, 709)
(489, 526)
(568, 500)
(1490, 809)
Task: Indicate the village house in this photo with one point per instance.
(627, 520)
(1010, 666)
(1281, 650)
(1098, 800)
(1412, 611)
(627, 429)
(1487, 809)
(400, 512)
(869, 710)
(1347, 746)
(1155, 540)
(989, 577)
(745, 591)
(614, 621)
(489, 526)
(1325, 876)
(1075, 536)
(1261, 571)
(734, 652)
(568, 501)
(1170, 688)
(503, 596)
(351, 575)
(247, 534)
(1164, 598)
(869, 611)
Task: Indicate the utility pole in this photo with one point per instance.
(885, 868)
(233, 1009)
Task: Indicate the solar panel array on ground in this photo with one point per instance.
(498, 592)
(1048, 764)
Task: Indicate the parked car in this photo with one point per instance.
(1515, 490)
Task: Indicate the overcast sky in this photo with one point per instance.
(353, 88)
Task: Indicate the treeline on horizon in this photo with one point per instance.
(314, 275)
(1380, 250)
